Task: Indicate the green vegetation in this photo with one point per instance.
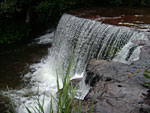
(20, 19)
(11, 102)
(146, 100)
(146, 74)
(139, 3)
(64, 101)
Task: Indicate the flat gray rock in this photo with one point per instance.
(117, 87)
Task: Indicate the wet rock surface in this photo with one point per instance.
(118, 87)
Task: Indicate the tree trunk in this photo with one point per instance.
(28, 13)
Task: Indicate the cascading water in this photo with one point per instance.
(88, 39)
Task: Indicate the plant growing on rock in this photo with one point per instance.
(146, 100)
(146, 74)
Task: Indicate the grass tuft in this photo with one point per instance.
(65, 97)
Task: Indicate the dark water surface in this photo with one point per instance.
(137, 18)
(15, 60)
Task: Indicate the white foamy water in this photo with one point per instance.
(42, 83)
(130, 51)
(123, 54)
(45, 39)
(87, 39)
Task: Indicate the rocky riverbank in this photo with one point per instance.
(118, 87)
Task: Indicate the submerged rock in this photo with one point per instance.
(117, 87)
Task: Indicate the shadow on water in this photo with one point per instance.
(15, 60)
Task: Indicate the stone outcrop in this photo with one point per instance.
(117, 87)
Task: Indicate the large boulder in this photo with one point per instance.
(117, 87)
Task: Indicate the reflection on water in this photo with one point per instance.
(134, 18)
(15, 59)
(14, 62)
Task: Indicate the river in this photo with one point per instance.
(15, 62)
(26, 66)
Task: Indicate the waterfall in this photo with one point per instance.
(87, 39)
